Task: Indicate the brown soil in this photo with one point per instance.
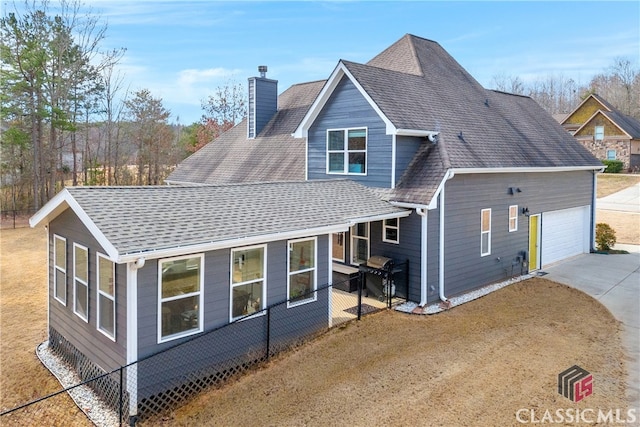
(475, 365)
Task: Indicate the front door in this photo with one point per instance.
(534, 242)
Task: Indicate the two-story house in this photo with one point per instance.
(605, 131)
(406, 157)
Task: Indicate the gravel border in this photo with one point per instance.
(84, 398)
(414, 308)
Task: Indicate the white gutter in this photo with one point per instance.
(416, 132)
(224, 244)
(524, 169)
(355, 221)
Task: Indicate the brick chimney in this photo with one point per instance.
(263, 102)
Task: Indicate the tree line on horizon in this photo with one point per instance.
(66, 117)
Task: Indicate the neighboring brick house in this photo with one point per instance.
(605, 131)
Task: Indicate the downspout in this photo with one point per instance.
(593, 208)
(132, 336)
(393, 162)
(448, 176)
(423, 257)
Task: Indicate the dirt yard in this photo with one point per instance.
(626, 224)
(476, 365)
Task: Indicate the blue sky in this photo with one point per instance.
(183, 50)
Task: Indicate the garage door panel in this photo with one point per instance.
(565, 233)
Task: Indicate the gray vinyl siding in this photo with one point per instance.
(84, 336)
(409, 248)
(222, 345)
(406, 148)
(263, 104)
(347, 108)
(467, 195)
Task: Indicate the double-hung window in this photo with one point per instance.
(485, 232)
(347, 151)
(248, 281)
(513, 218)
(81, 281)
(302, 271)
(60, 269)
(180, 296)
(599, 133)
(360, 243)
(391, 230)
(106, 296)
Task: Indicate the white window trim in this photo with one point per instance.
(354, 236)
(346, 151)
(343, 246)
(200, 295)
(76, 279)
(595, 133)
(314, 286)
(56, 268)
(110, 297)
(515, 217)
(391, 227)
(488, 232)
(232, 285)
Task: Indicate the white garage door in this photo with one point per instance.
(565, 233)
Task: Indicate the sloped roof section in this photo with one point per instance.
(147, 220)
(627, 123)
(272, 156)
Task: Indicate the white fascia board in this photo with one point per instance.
(416, 132)
(232, 243)
(63, 201)
(409, 205)
(354, 221)
(524, 169)
(322, 98)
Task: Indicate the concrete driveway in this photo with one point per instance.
(614, 280)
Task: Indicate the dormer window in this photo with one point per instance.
(347, 151)
(599, 133)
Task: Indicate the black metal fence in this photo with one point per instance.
(162, 381)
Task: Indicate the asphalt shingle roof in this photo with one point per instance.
(418, 85)
(274, 155)
(147, 219)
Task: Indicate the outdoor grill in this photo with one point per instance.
(378, 277)
(380, 263)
